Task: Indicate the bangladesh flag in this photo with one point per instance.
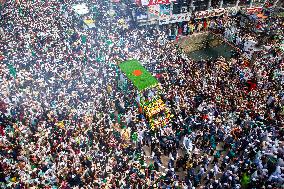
(139, 76)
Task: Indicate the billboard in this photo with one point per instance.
(156, 2)
(168, 19)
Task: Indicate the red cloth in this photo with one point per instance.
(179, 30)
(205, 24)
(246, 63)
(205, 117)
(158, 76)
(140, 110)
(258, 26)
(177, 38)
(252, 86)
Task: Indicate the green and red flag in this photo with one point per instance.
(135, 72)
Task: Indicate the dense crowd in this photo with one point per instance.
(66, 122)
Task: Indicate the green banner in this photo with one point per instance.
(136, 73)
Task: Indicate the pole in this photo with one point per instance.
(110, 12)
(221, 3)
(251, 3)
(237, 4)
(275, 3)
(209, 4)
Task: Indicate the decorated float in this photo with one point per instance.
(156, 112)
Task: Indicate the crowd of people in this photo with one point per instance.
(65, 122)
